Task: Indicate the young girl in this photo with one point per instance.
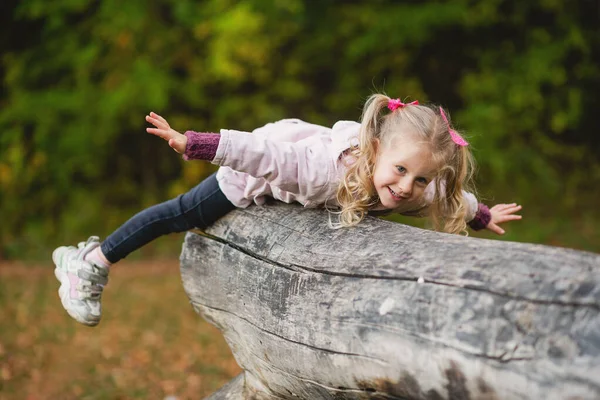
(403, 158)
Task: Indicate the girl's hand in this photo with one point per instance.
(502, 213)
(176, 140)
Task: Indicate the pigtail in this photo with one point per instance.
(449, 207)
(372, 119)
(356, 192)
(465, 167)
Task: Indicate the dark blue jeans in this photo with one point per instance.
(198, 208)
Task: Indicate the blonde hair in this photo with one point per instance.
(356, 192)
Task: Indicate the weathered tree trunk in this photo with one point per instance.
(388, 311)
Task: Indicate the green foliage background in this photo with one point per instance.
(78, 77)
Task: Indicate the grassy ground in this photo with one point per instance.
(150, 344)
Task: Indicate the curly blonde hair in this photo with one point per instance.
(455, 165)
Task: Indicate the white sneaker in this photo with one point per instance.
(81, 281)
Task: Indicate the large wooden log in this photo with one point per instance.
(388, 311)
(233, 390)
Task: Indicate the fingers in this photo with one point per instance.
(503, 206)
(161, 119)
(156, 122)
(511, 210)
(503, 213)
(500, 207)
(506, 208)
(162, 129)
(495, 228)
(505, 218)
(160, 133)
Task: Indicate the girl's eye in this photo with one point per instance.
(400, 168)
(422, 181)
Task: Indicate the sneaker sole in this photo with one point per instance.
(65, 289)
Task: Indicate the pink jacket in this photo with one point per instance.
(291, 161)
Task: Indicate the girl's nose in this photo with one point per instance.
(405, 186)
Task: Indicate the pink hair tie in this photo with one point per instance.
(397, 103)
(456, 138)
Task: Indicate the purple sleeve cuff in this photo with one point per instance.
(201, 146)
(482, 218)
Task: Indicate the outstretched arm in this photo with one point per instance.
(283, 164)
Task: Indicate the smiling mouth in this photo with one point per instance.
(396, 195)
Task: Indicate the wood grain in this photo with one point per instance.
(387, 311)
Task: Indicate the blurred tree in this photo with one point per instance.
(79, 76)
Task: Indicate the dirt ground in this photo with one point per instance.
(149, 345)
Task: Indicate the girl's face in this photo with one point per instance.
(402, 172)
